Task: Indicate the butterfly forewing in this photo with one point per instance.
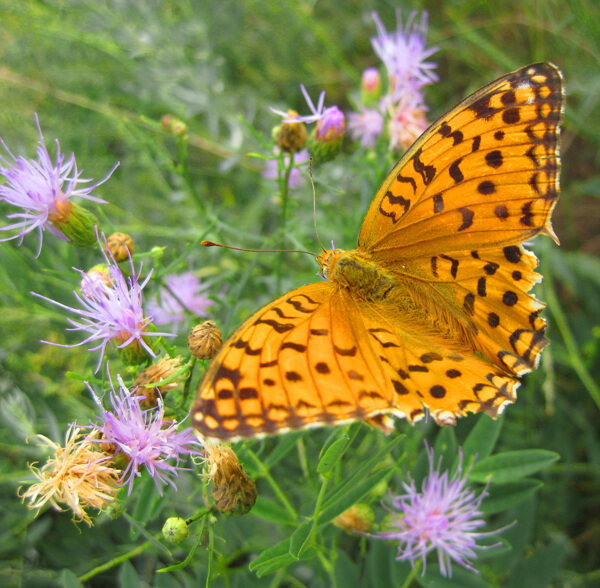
(486, 173)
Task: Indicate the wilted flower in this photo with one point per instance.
(443, 516)
(181, 292)
(43, 189)
(144, 437)
(233, 491)
(358, 518)
(272, 170)
(365, 126)
(79, 475)
(112, 314)
(166, 368)
(403, 52)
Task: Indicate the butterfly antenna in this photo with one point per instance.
(312, 183)
(211, 244)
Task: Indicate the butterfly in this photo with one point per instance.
(431, 313)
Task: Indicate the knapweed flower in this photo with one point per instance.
(79, 475)
(273, 171)
(182, 292)
(43, 190)
(233, 491)
(365, 126)
(112, 314)
(443, 516)
(144, 438)
(407, 120)
(403, 52)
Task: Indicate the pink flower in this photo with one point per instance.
(443, 516)
(144, 437)
(40, 188)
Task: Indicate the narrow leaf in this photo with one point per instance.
(510, 465)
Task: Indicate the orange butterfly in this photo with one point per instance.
(432, 310)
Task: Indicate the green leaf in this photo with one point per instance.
(508, 494)
(299, 539)
(277, 557)
(540, 569)
(343, 502)
(481, 440)
(69, 580)
(285, 444)
(510, 465)
(333, 453)
(446, 447)
(128, 576)
(359, 475)
(271, 511)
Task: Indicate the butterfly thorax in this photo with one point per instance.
(357, 272)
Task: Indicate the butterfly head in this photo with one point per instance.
(327, 260)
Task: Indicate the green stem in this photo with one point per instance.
(415, 570)
(570, 344)
(264, 472)
(284, 191)
(211, 549)
(116, 561)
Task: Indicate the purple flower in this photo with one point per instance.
(444, 515)
(182, 292)
(318, 113)
(272, 171)
(365, 126)
(112, 313)
(403, 52)
(41, 188)
(330, 127)
(144, 437)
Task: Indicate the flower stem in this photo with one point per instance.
(284, 191)
(263, 471)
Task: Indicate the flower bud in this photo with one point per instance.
(173, 125)
(95, 280)
(291, 136)
(205, 340)
(120, 245)
(326, 139)
(359, 517)
(370, 87)
(74, 222)
(175, 530)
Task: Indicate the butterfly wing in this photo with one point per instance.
(485, 174)
(451, 216)
(318, 355)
